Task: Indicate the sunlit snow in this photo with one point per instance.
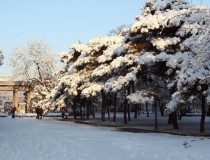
(31, 139)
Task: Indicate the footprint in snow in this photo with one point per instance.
(186, 145)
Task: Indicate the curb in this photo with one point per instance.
(133, 129)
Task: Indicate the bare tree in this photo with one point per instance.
(117, 30)
(1, 57)
(35, 61)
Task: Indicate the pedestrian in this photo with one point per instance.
(40, 112)
(37, 112)
(13, 112)
(63, 112)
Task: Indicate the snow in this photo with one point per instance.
(85, 49)
(174, 101)
(164, 4)
(3, 114)
(161, 43)
(99, 42)
(28, 138)
(101, 70)
(147, 58)
(143, 96)
(92, 89)
(146, 23)
(115, 84)
(112, 50)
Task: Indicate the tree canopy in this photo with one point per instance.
(35, 62)
(1, 57)
(168, 46)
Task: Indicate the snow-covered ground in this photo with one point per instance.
(31, 139)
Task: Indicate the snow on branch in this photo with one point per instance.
(112, 50)
(160, 5)
(1, 57)
(82, 48)
(141, 97)
(115, 84)
(92, 90)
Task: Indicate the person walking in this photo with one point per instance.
(63, 112)
(13, 112)
(37, 112)
(40, 112)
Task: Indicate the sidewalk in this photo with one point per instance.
(188, 125)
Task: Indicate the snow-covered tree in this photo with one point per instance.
(1, 57)
(169, 43)
(35, 62)
(179, 37)
(118, 30)
(81, 66)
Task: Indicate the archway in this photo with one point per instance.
(16, 87)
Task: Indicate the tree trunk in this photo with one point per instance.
(80, 108)
(108, 112)
(115, 107)
(128, 105)
(125, 111)
(128, 110)
(161, 108)
(91, 107)
(156, 120)
(85, 108)
(39, 72)
(136, 110)
(103, 105)
(147, 109)
(107, 106)
(88, 108)
(208, 113)
(40, 75)
(134, 105)
(174, 120)
(180, 113)
(170, 118)
(74, 107)
(202, 122)
(93, 111)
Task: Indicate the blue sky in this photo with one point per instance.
(61, 22)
